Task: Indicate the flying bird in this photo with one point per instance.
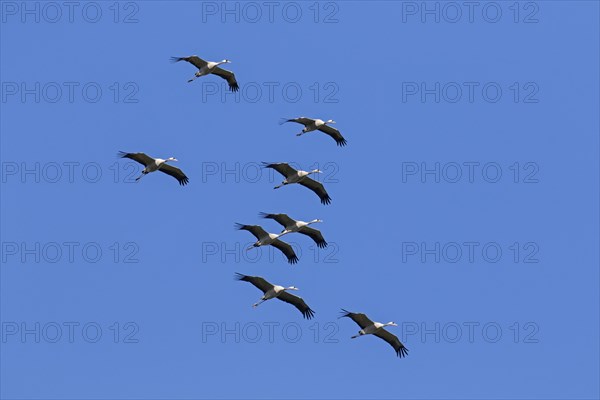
(376, 328)
(302, 177)
(320, 125)
(290, 225)
(269, 239)
(210, 67)
(156, 164)
(275, 291)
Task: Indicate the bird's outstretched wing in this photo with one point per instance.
(194, 60)
(228, 76)
(256, 230)
(175, 173)
(142, 158)
(316, 187)
(257, 281)
(287, 250)
(297, 302)
(314, 235)
(334, 133)
(361, 319)
(393, 340)
(283, 168)
(301, 120)
(281, 219)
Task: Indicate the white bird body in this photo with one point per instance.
(300, 177)
(290, 225)
(298, 225)
(317, 124)
(156, 164)
(276, 291)
(210, 67)
(264, 238)
(297, 177)
(371, 329)
(271, 291)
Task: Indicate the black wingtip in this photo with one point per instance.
(284, 120)
(322, 244)
(402, 352)
(308, 313)
(176, 59)
(263, 214)
(293, 260)
(234, 87)
(122, 154)
(341, 142)
(239, 276)
(238, 226)
(184, 181)
(325, 200)
(345, 313)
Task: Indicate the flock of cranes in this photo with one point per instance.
(264, 238)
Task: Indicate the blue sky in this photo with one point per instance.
(465, 206)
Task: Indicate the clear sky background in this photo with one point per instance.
(157, 314)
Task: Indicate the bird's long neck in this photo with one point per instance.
(314, 221)
(389, 324)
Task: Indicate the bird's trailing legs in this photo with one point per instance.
(140, 177)
(257, 304)
(301, 133)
